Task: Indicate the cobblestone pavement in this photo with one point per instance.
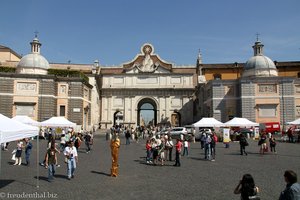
(195, 179)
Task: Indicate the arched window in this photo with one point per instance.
(217, 77)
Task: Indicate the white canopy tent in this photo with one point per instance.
(240, 122)
(12, 130)
(295, 122)
(58, 122)
(26, 120)
(208, 122)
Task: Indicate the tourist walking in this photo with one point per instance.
(272, 142)
(169, 146)
(202, 140)
(161, 150)
(88, 141)
(292, 189)
(247, 188)
(51, 161)
(185, 148)
(28, 149)
(127, 136)
(63, 141)
(263, 144)
(213, 143)
(243, 144)
(178, 147)
(207, 146)
(19, 153)
(72, 158)
(148, 151)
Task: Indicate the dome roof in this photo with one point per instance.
(259, 65)
(33, 63)
(260, 62)
(34, 60)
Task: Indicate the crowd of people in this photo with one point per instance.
(68, 146)
(160, 148)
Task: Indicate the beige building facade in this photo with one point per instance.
(31, 86)
(148, 90)
(150, 82)
(261, 90)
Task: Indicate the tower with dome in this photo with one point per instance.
(33, 87)
(34, 62)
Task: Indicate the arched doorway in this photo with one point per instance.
(118, 118)
(147, 113)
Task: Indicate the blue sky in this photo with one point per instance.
(114, 30)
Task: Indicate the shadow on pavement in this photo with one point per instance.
(197, 158)
(61, 176)
(4, 183)
(42, 178)
(101, 173)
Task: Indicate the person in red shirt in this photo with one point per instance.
(178, 147)
(148, 148)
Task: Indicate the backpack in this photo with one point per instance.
(215, 138)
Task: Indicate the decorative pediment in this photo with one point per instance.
(146, 61)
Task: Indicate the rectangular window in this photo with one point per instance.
(62, 111)
(25, 110)
(86, 93)
(267, 110)
(297, 88)
(63, 89)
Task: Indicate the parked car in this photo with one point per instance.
(176, 133)
(201, 132)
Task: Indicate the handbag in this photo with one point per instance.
(13, 157)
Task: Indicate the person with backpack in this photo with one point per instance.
(243, 144)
